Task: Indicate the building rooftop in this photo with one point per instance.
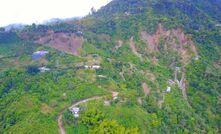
(168, 89)
(75, 110)
(43, 69)
(39, 54)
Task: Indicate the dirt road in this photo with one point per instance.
(59, 120)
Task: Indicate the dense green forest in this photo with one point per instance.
(161, 57)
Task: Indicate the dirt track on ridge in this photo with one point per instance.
(59, 119)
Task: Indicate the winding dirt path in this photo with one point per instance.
(59, 119)
(60, 125)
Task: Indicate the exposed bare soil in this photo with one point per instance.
(174, 39)
(67, 42)
(146, 89)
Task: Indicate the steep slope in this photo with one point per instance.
(170, 40)
(188, 39)
(161, 57)
(67, 42)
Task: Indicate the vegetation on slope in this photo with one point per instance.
(30, 102)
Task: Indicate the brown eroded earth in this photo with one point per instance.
(174, 39)
(146, 89)
(67, 42)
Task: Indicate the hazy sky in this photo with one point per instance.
(29, 11)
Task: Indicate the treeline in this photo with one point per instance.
(57, 27)
(7, 37)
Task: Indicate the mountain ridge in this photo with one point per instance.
(161, 58)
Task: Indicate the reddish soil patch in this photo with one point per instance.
(146, 89)
(67, 42)
(174, 39)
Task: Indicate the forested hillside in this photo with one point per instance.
(134, 66)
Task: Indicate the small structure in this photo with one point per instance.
(79, 33)
(96, 67)
(39, 54)
(92, 67)
(75, 111)
(168, 90)
(43, 69)
(86, 67)
(115, 98)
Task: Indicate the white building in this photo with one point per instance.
(42, 52)
(43, 69)
(168, 90)
(39, 54)
(75, 111)
(92, 67)
(96, 67)
(86, 67)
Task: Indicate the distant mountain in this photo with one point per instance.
(14, 26)
(57, 20)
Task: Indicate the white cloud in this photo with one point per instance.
(29, 11)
